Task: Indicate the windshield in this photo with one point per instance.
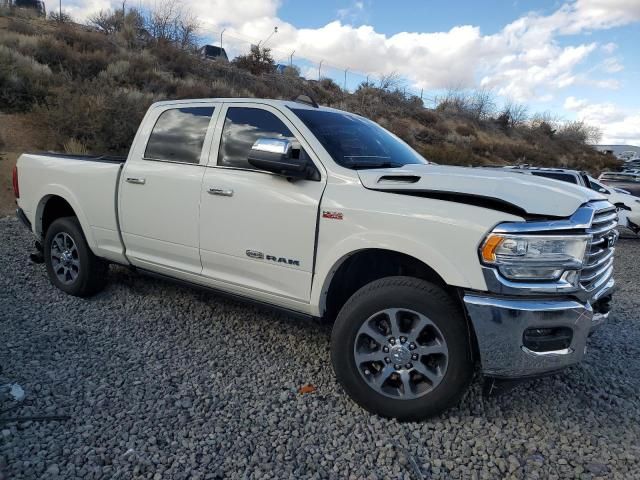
(357, 143)
(598, 187)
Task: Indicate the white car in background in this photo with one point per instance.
(628, 205)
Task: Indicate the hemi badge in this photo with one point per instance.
(332, 215)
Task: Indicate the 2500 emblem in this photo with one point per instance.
(272, 258)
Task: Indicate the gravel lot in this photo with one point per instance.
(162, 381)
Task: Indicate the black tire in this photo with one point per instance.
(419, 296)
(92, 271)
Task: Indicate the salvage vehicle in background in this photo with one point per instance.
(426, 269)
(628, 205)
(625, 180)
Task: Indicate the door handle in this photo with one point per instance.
(137, 181)
(224, 192)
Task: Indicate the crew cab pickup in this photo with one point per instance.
(424, 269)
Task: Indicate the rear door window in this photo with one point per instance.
(242, 127)
(178, 135)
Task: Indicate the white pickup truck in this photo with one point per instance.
(426, 269)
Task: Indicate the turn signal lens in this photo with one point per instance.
(490, 246)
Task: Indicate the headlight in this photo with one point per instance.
(534, 257)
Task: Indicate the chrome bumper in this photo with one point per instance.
(500, 323)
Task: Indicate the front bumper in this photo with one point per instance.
(500, 324)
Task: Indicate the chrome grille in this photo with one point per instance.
(598, 266)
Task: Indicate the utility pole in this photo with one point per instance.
(221, 37)
(319, 68)
(60, 12)
(367, 80)
(345, 78)
(421, 91)
(275, 30)
(291, 58)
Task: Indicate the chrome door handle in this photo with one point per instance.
(224, 192)
(137, 181)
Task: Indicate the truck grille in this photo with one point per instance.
(598, 266)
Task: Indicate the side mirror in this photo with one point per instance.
(276, 155)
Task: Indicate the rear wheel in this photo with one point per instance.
(400, 348)
(71, 265)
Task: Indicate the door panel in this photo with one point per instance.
(261, 234)
(159, 219)
(160, 190)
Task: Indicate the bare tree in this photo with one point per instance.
(580, 132)
(171, 22)
(107, 21)
(481, 104)
(455, 101)
(512, 115)
(391, 81)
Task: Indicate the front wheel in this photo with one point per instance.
(400, 348)
(71, 265)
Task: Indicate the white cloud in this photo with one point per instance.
(609, 48)
(353, 13)
(617, 125)
(524, 60)
(612, 65)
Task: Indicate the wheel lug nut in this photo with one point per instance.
(414, 357)
(397, 367)
(403, 339)
(392, 341)
(385, 349)
(408, 365)
(387, 360)
(412, 346)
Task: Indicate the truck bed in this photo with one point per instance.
(89, 183)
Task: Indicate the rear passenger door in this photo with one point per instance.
(159, 198)
(258, 229)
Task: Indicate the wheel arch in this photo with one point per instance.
(358, 268)
(56, 204)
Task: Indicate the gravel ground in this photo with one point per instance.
(161, 381)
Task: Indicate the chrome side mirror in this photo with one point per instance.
(275, 155)
(279, 146)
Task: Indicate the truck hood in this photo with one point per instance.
(497, 189)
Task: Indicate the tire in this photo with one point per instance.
(71, 265)
(435, 334)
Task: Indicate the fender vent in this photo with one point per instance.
(399, 179)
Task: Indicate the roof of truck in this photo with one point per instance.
(262, 101)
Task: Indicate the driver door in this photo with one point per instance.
(257, 229)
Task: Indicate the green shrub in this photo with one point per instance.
(23, 81)
(20, 26)
(100, 117)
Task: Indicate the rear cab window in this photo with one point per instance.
(178, 135)
(563, 177)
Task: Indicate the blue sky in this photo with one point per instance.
(575, 58)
